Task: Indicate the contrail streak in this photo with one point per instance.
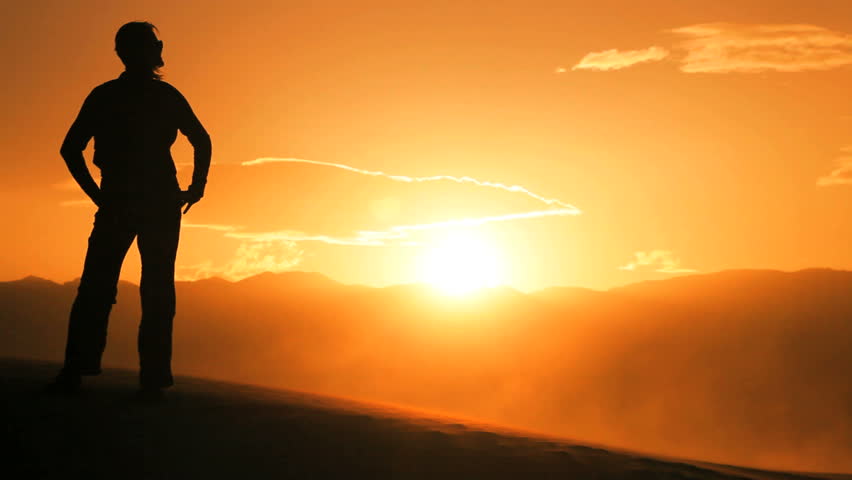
(212, 226)
(371, 238)
(403, 178)
(374, 240)
(397, 234)
(475, 221)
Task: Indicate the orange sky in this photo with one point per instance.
(698, 144)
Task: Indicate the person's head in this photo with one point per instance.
(139, 49)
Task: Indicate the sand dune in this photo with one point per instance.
(208, 429)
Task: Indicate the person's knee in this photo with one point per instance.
(97, 292)
(161, 272)
(158, 298)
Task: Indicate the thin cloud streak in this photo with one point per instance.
(407, 179)
(614, 59)
(372, 240)
(476, 221)
(213, 226)
(399, 234)
(661, 261)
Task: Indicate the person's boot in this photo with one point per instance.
(64, 384)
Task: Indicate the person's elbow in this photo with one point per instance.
(68, 150)
(201, 142)
(204, 139)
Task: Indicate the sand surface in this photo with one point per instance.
(206, 429)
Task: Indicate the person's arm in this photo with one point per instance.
(191, 127)
(75, 142)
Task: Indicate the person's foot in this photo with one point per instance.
(64, 384)
(150, 394)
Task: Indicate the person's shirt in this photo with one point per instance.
(134, 122)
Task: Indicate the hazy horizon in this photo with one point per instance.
(438, 289)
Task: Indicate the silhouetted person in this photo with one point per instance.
(134, 120)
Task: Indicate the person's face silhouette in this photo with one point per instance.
(149, 49)
(137, 45)
(155, 51)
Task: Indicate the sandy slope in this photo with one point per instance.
(209, 430)
(738, 367)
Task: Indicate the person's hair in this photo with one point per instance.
(138, 48)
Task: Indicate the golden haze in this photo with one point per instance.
(688, 170)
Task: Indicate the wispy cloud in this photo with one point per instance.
(616, 60)
(212, 226)
(279, 250)
(842, 173)
(742, 48)
(661, 261)
(408, 179)
(728, 47)
(362, 239)
(395, 235)
(475, 221)
(251, 258)
(400, 234)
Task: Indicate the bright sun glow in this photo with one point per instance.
(462, 262)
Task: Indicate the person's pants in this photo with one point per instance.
(156, 229)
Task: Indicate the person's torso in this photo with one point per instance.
(135, 125)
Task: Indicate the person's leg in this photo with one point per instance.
(159, 232)
(87, 326)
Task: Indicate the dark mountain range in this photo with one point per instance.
(744, 367)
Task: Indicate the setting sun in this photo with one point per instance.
(462, 262)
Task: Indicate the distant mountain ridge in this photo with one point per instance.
(757, 361)
(296, 277)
